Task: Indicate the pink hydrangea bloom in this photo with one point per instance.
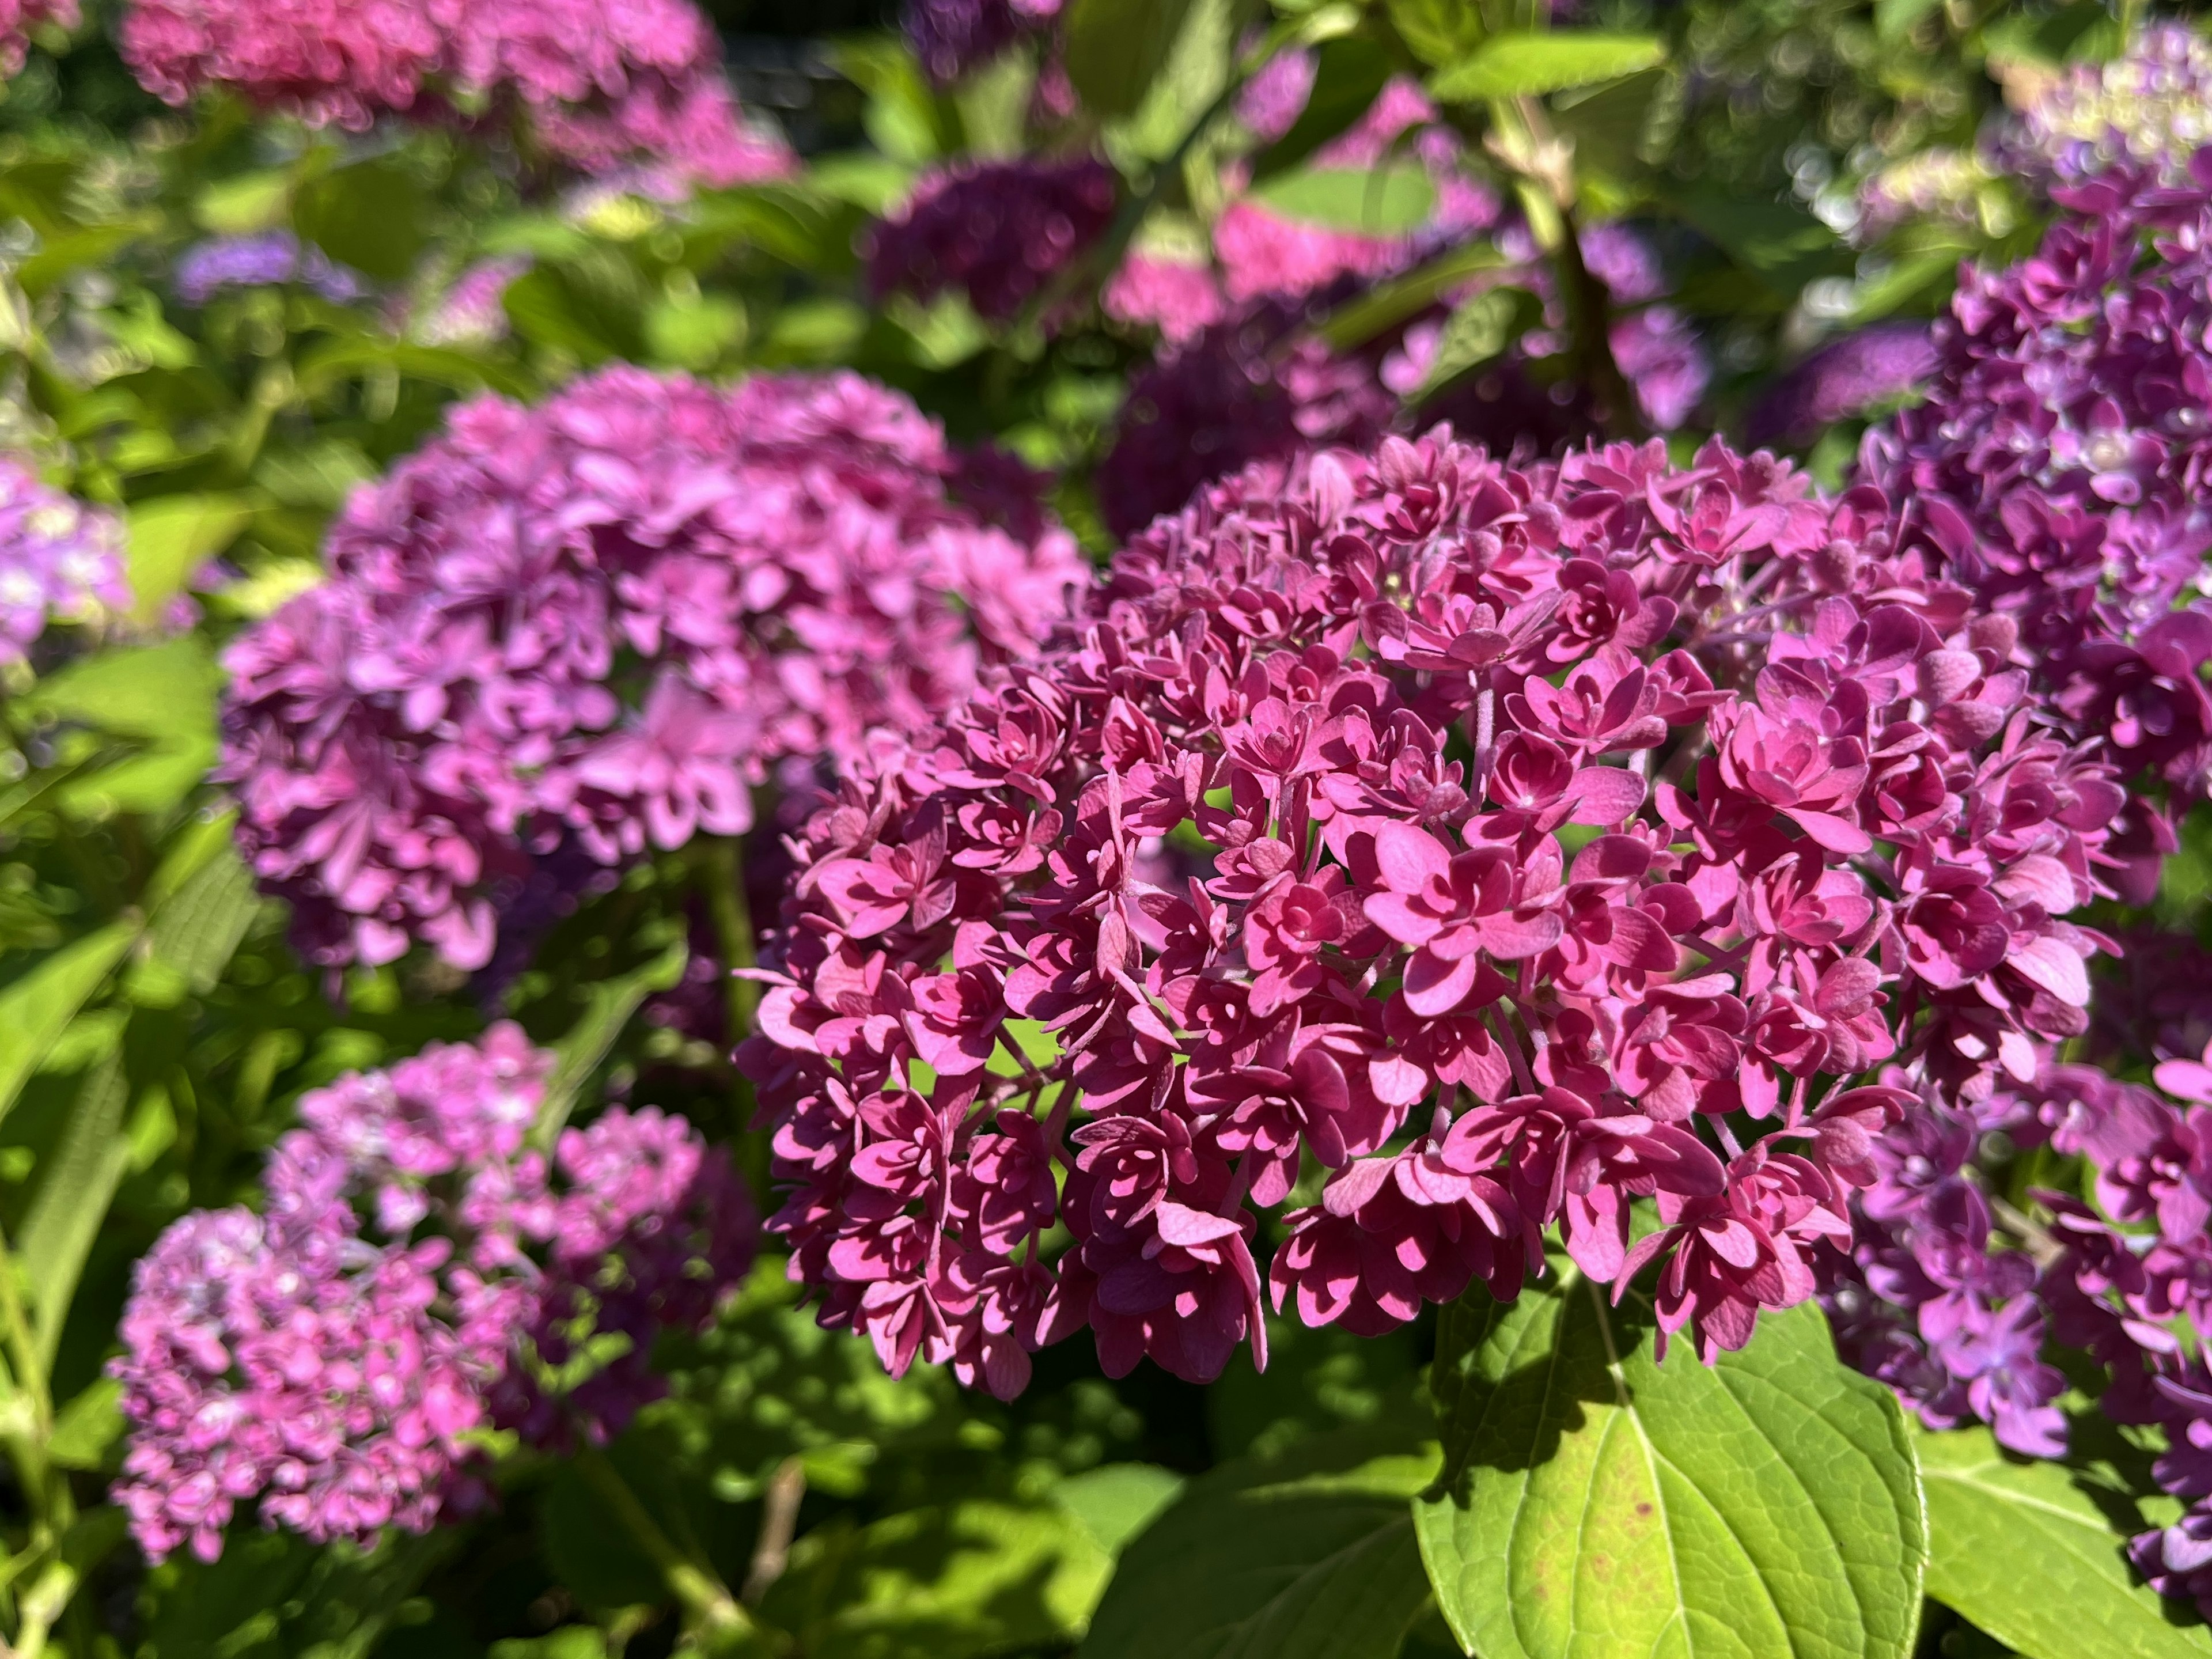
(336, 1356)
(576, 631)
(19, 17)
(1177, 297)
(1380, 691)
(605, 82)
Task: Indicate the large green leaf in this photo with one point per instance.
(1115, 48)
(1386, 202)
(75, 1186)
(37, 1008)
(1597, 1504)
(171, 538)
(1997, 1524)
(1524, 65)
(1309, 1556)
(163, 696)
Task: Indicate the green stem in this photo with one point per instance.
(710, 1612)
(722, 864)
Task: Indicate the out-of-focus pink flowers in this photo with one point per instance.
(417, 1276)
(603, 83)
(19, 17)
(998, 232)
(577, 631)
(60, 561)
(1379, 689)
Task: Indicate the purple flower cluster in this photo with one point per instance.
(576, 631)
(604, 81)
(19, 17)
(1256, 386)
(417, 1277)
(998, 232)
(60, 560)
(2054, 470)
(951, 37)
(2151, 106)
(1843, 377)
(1273, 856)
(268, 260)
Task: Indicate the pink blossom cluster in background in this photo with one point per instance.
(606, 82)
(1594, 822)
(577, 631)
(19, 17)
(337, 1356)
(60, 560)
(2054, 470)
(998, 232)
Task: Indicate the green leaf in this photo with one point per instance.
(77, 1182)
(1385, 202)
(1438, 31)
(1117, 1501)
(373, 215)
(964, 1579)
(1479, 331)
(1115, 48)
(171, 538)
(1348, 74)
(1764, 1507)
(1188, 81)
(607, 1008)
(1309, 1556)
(1358, 321)
(1997, 1524)
(197, 930)
(86, 1427)
(37, 1008)
(162, 695)
(1524, 65)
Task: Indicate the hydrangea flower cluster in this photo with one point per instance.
(1568, 819)
(268, 260)
(417, 1276)
(1959, 1318)
(570, 632)
(60, 560)
(998, 232)
(2053, 469)
(604, 81)
(2151, 106)
(19, 17)
(952, 37)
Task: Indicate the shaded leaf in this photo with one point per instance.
(1309, 1556)
(77, 1182)
(85, 1428)
(1349, 75)
(1997, 1523)
(1117, 1501)
(37, 1008)
(1115, 48)
(607, 1008)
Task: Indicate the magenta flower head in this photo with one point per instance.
(1500, 841)
(603, 82)
(578, 631)
(60, 561)
(19, 17)
(417, 1274)
(998, 232)
(2050, 472)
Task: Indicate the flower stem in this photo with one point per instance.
(711, 1614)
(722, 864)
